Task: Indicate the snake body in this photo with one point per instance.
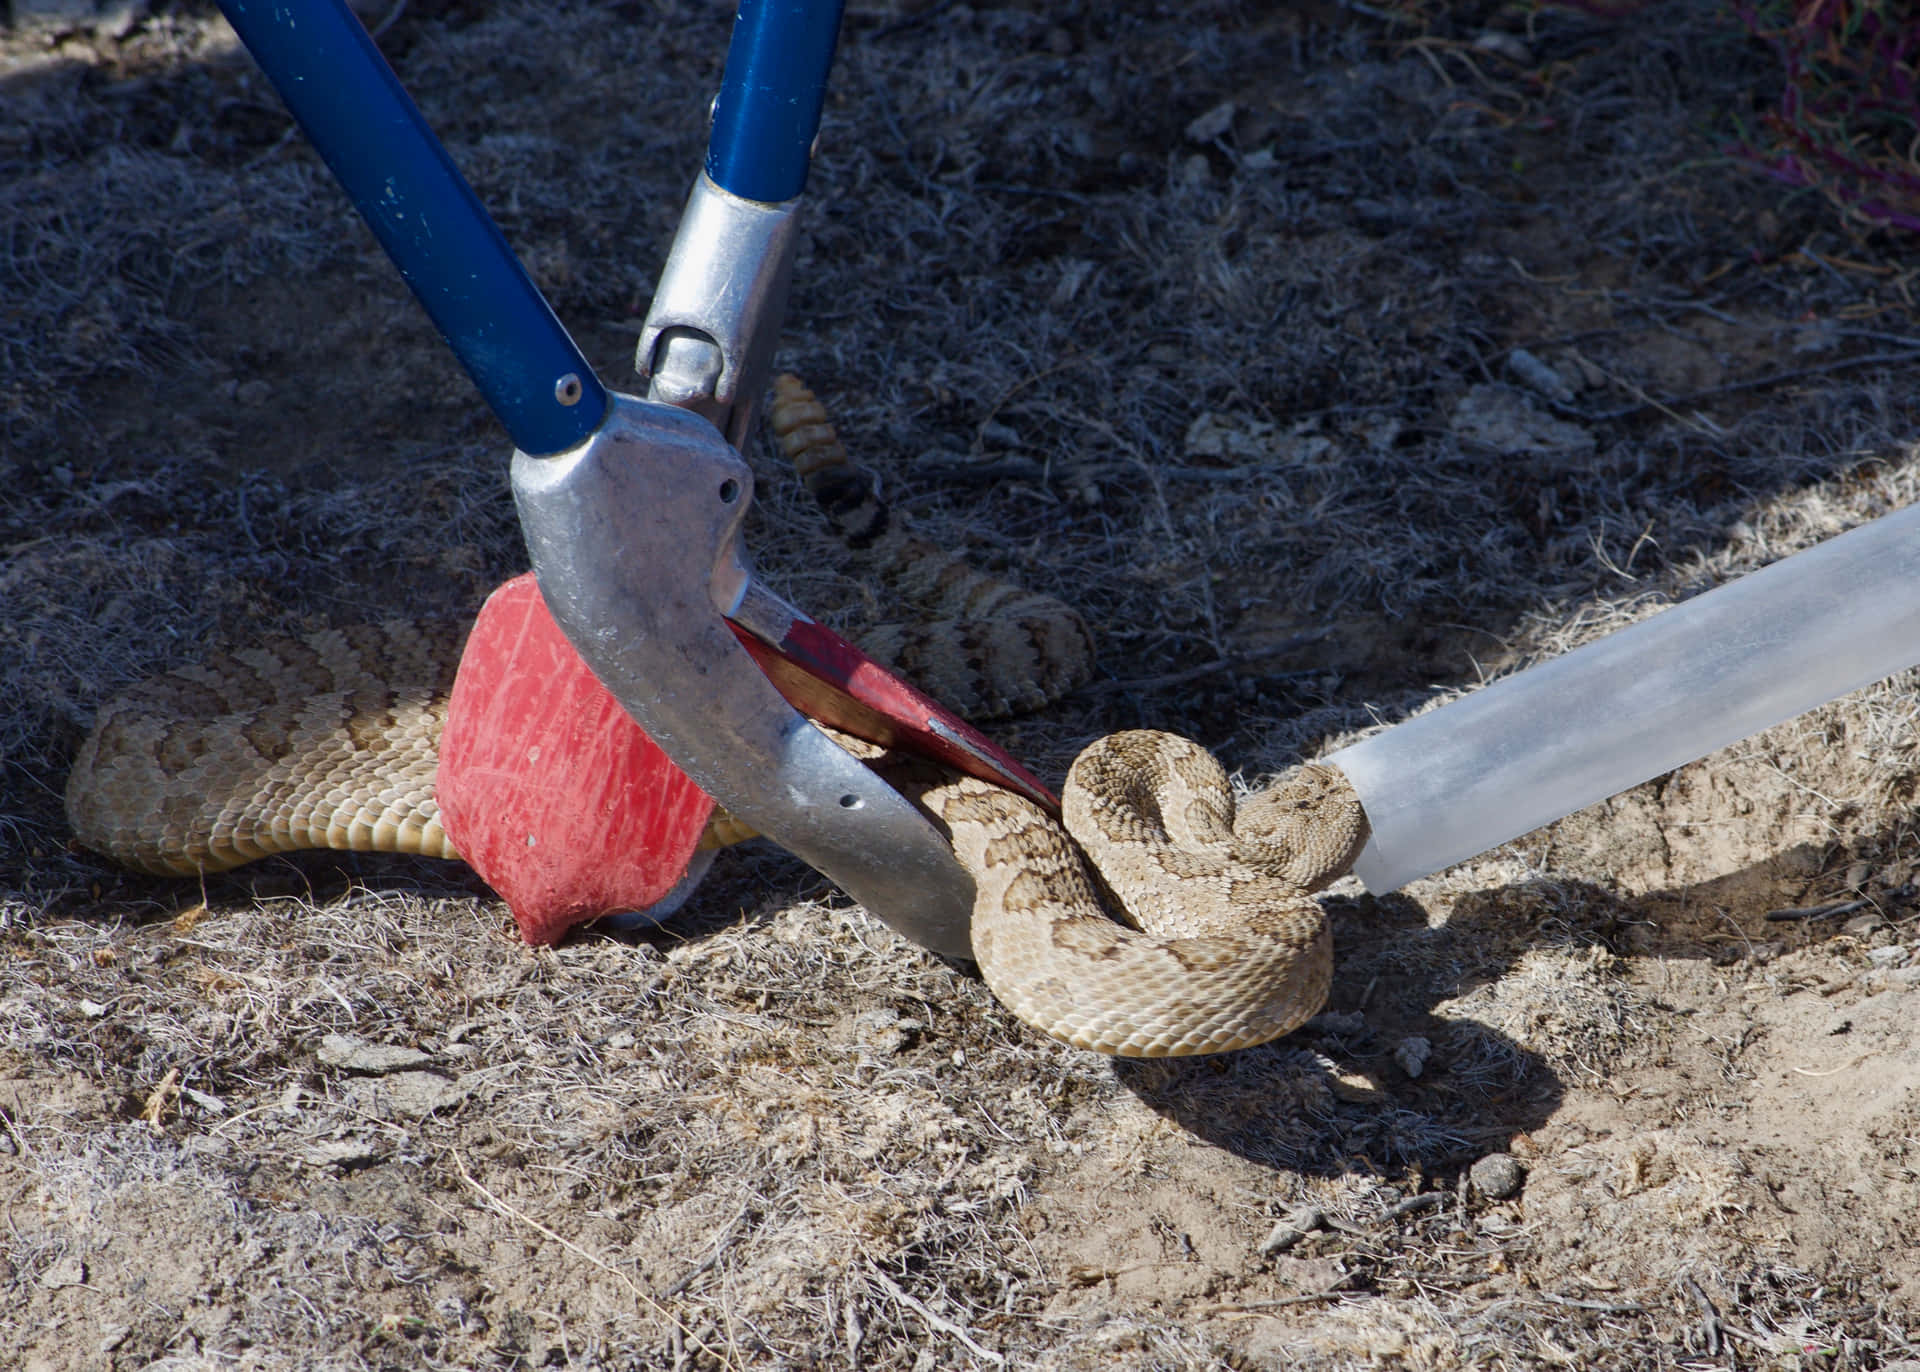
(1193, 930)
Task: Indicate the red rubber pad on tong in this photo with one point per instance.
(546, 786)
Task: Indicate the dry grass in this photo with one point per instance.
(1220, 377)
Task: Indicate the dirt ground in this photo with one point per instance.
(1334, 360)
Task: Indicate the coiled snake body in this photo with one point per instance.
(331, 741)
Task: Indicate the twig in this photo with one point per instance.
(1070, 360)
(911, 21)
(721, 1245)
(1341, 1287)
(1834, 1071)
(1222, 664)
(1413, 1205)
(154, 1112)
(963, 469)
(1816, 911)
(1758, 383)
(1010, 188)
(936, 1322)
(1603, 1307)
(393, 15)
(1710, 1324)
(638, 1290)
(19, 1142)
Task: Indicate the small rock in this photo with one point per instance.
(1233, 437)
(1531, 371)
(1352, 1088)
(1074, 272)
(1862, 925)
(1500, 419)
(1497, 1176)
(1213, 123)
(1295, 1226)
(1857, 875)
(92, 1009)
(376, 1059)
(1891, 956)
(1000, 434)
(418, 1094)
(1504, 45)
(213, 1105)
(69, 1271)
(1822, 337)
(1344, 1024)
(885, 1030)
(1413, 1055)
(342, 1153)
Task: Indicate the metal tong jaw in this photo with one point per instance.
(635, 536)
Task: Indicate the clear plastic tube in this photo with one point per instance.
(1528, 749)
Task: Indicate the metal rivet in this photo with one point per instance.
(568, 390)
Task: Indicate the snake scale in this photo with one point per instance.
(1214, 941)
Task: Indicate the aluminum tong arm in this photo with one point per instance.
(708, 339)
(635, 538)
(716, 312)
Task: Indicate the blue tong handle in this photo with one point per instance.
(372, 137)
(770, 98)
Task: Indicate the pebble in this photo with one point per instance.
(342, 1153)
(1500, 420)
(1214, 123)
(886, 1031)
(69, 1271)
(1504, 45)
(1413, 1055)
(1497, 1176)
(1301, 1221)
(1540, 376)
(358, 1055)
(419, 1094)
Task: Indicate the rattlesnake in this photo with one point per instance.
(331, 741)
